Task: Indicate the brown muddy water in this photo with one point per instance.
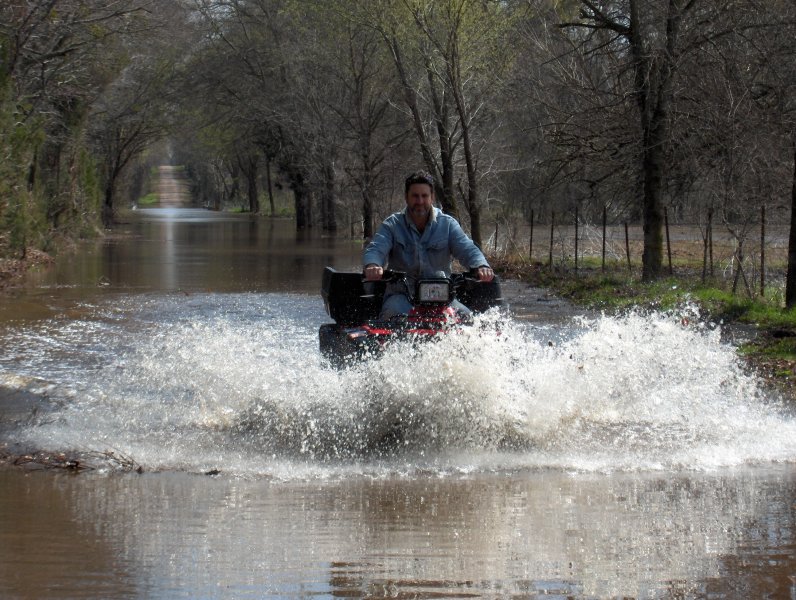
(565, 457)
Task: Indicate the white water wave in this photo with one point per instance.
(236, 383)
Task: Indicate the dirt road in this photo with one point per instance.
(172, 187)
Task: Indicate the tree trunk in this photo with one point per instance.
(473, 206)
(252, 191)
(107, 204)
(444, 189)
(270, 184)
(303, 209)
(790, 286)
(328, 217)
(367, 215)
(652, 257)
(234, 187)
(475, 221)
(302, 201)
(108, 216)
(654, 95)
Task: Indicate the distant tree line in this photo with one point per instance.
(627, 106)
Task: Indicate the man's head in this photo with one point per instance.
(419, 189)
(422, 177)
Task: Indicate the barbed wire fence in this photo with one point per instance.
(750, 258)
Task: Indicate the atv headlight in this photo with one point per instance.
(433, 291)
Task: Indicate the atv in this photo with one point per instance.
(355, 303)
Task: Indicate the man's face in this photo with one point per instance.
(419, 199)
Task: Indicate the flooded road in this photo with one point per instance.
(589, 457)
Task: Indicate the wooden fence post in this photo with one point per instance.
(668, 240)
(552, 234)
(576, 240)
(605, 223)
(710, 240)
(627, 248)
(530, 241)
(763, 251)
(705, 255)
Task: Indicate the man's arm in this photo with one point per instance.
(467, 253)
(377, 251)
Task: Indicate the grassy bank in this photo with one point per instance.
(771, 352)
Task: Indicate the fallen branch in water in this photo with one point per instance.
(46, 460)
(120, 460)
(74, 463)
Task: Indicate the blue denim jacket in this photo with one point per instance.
(400, 246)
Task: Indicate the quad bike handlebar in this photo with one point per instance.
(389, 275)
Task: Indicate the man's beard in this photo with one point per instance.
(420, 211)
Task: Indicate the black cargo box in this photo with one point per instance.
(345, 297)
(480, 296)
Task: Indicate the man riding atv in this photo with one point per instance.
(419, 241)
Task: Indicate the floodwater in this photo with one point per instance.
(562, 457)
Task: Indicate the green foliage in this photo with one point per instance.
(15, 224)
(284, 206)
(284, 212)
(40, 201)
(780, 348)
(91, 187)
(19, 141)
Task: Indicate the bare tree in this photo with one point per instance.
(470, 52)
(646, 41)
(368, 121)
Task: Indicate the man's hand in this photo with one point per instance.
(485, 274)
(373, 272)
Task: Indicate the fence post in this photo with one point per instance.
(576, 240)
(552, 233)
(705, 255)
(668, 241)
(763, 251)
(605, 220)
(710, 239)
(627, 249)
(530, 241)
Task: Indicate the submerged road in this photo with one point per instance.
(173, 188)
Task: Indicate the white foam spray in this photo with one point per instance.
(236, 383)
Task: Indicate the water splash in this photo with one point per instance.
(236, 383)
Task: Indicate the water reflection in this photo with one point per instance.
(529, 535)
(193, 249)
(186, 250)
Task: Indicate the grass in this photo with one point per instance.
(283, 212)
(149, 199)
